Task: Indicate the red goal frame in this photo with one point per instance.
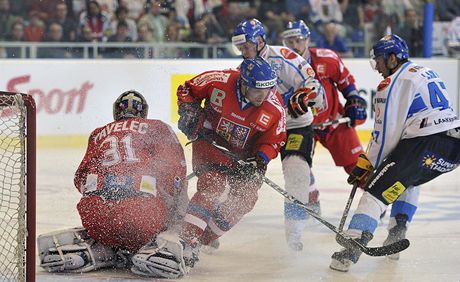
(30, 179)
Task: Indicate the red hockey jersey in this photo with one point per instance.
(135, 153)
(333, 75)
(247, 129)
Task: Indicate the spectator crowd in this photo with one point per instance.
(334, 24)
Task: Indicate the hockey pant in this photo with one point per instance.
(127, 223)
(413, 162)
(343, 144)
(213, 210)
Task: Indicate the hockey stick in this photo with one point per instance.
(347, 207)
(332, 122)
(340, 237)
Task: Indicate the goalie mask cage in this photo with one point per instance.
(17, 187)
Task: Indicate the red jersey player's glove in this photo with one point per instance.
(361, 172)
(191, 119)
(252, 167)
(356, 109)
(300, 101)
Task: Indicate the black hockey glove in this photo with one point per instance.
(252, 168)
(300, 101)
(356, 109)
(191, 119)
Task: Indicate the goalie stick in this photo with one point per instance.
(342, 239)
(332, 122)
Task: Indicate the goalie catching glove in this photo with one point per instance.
(361, 172)
(300, 101)
(356, 109)
(190, 120)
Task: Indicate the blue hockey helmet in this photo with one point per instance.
(130, 104)
(248, 31)
(296, 29)
(390, 44)
(257, 73)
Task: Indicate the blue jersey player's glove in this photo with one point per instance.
(361, 172)
(300, 101)
(356, 109)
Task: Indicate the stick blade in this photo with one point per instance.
(390, 249)
(394, 248)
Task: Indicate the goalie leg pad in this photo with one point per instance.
(162, 258)
(73, 250)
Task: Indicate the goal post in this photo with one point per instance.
(17, 187)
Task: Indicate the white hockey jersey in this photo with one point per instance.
(293, 72)
(411, 102)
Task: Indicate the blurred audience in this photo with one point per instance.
(15, 35)
(331, 40)
(54, 34)
(453, 39)
(335, 24)
(35, 30)
(156, 21)
(121, 15)
(121, 36)
(68, 24)
(412, 32)
(97, 20)
(7, 19)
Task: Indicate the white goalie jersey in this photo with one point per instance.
(293, 72)
(411, 102)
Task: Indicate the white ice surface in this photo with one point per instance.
(255, 250)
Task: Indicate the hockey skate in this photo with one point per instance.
(397, 233)
(293, 230)
(167, 256)
(212, 247)
(342, 260)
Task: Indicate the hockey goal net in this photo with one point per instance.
(17, 187)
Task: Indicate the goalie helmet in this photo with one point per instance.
(390, 44)
(257, 73)
(130, 104)
(296, 29)
(248, 31)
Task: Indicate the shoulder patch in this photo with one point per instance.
(384, 84)
(415, 68)
(288, 54)
(311, 72)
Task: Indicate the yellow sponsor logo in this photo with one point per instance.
(392, 193)
(294, 142)
(176, 81)
(149, 185)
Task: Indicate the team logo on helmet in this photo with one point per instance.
(257, 73)
(296, 29)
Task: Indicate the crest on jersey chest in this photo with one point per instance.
(235, 134)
